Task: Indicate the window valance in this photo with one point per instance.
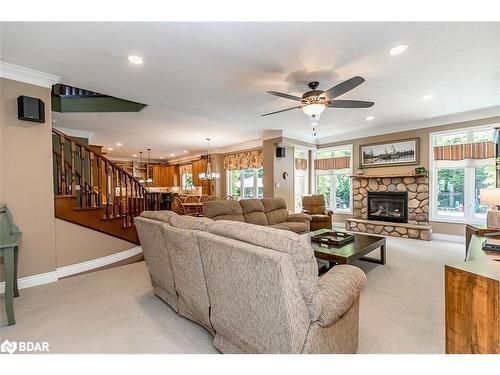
(339, 162)
(244, 160)
(477, 150)
(301, 164)
(186, 169)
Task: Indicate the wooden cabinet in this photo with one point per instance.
(173, 178)
(472, 303)
(166, 176)
(198, 167)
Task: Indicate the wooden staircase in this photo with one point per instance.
(92, 191)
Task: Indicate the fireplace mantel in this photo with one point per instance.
(402, 175)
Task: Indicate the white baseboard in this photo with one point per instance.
(448, 237)
(29, 281)
(97, 263)
(50, 277)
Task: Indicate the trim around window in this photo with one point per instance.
(468, 165)
(348, 172)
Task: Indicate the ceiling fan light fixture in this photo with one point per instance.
(314, 109)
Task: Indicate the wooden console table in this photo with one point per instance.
(472, 301)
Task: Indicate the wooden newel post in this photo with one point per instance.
(62, 140)
(73, 168)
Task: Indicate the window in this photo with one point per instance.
(301, 178)
(246, 183)
(332, 171)
(187, 180)
(462, 163)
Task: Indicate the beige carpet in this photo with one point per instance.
(115, 311)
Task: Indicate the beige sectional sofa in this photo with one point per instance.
(255, 288)
(266, 211)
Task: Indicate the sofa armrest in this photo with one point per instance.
(303, 218)
(339, 289)
(328, 212)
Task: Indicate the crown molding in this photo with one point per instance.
(27, 75)
(256, 143)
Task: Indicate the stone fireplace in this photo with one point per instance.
(388, 206)
(391, 205)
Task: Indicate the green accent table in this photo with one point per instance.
(9, 249)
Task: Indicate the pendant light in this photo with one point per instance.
(141, 180)
(208, 174)
(148, 179)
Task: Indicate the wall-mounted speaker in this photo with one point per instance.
(30, 109)
(280, 152)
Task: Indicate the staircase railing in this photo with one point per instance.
(98, 182)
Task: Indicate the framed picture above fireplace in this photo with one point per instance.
(392, 153)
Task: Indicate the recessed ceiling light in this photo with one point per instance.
(369, 118)
(135, 59)
(110, 148)
(185, 151)
(428, 97)
(119, 144)
(172, 154)
(134, 156)
(398, 49)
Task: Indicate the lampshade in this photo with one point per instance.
(313, 109)
(490, 196)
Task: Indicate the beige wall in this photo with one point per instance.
(286, 186)
(423, 135)
(76, 244)
(268, 151)
(26, 177)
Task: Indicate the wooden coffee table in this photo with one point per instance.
(362, 245)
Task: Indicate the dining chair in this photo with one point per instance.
(177, 206)
(205, 197)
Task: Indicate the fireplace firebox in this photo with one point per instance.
(388, 206)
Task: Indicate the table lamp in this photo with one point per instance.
(491, 197)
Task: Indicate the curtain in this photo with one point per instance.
(339, 162)
(186, 169)
(478, 150)
(244, 160)
(301, 164)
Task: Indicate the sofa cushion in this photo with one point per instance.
(294, 226)
(190, 222)
(187, 269)
(321, 218)
(301, 253)
(253, 211)
(163, 216)
(275, 210)
(223, 210)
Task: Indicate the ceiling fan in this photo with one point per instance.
(314, 102)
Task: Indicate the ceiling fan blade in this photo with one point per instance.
(286, 96)
(343, 87)
(283, 110)
(350, 104)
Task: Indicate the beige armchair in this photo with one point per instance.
(321, 217)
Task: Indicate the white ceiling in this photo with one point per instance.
(210, 79)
